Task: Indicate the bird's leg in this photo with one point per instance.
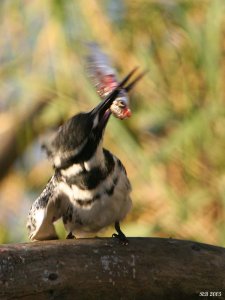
(120, 235)
(70, 236)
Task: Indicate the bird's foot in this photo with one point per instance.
(70, 236)
(120, 235)
(122, 238)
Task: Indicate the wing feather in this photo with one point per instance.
(99, 69)
(46, 209)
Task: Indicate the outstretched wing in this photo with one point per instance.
(99, 69)
(104, 79)
(47, 209)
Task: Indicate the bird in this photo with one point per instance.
(89, 189)
(104, 78)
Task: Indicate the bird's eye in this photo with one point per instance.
(121, 104)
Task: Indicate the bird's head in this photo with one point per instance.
(77, 140)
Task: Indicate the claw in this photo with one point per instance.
(123, 240)
(120, 235)
(70, 236)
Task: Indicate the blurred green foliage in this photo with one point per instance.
(172, 147)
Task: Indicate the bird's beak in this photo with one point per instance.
(102, 110)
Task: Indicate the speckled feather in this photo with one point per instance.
(87, 201)
(89, 189)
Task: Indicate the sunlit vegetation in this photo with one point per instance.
(172, 146)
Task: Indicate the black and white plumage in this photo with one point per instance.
(89, 189)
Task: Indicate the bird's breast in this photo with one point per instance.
(100, 196)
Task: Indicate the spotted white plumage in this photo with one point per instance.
(89, 189)
(83, 210)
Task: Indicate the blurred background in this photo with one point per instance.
(173, 146)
